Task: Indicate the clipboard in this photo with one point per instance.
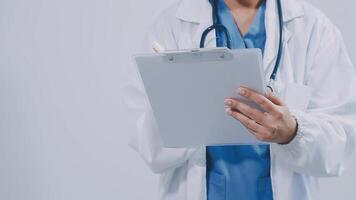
(186, 90)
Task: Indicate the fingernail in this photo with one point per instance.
(228, 102)
(228, 111)
(241, 91)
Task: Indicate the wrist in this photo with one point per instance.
(291, 135)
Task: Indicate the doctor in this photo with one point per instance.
(309, 120)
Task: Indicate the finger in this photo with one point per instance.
(247, 122)
(259, 99)
(274, 99)
(251, 113)
(261, 133)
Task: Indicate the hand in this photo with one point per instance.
(275, 125)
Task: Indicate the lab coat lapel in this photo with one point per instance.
(210, 40)
(271, 46)
(199, 14)
(290, 11)
(194, 11)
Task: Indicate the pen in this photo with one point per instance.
(157, 47)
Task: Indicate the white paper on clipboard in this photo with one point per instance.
(187, 88)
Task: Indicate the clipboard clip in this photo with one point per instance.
(198, 55)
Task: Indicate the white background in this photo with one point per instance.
(63, 127)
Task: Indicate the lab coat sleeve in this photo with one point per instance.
(146, 139)
(326, 132)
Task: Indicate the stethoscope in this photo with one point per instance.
(218, 26)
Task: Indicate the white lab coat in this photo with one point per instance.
(316, 79)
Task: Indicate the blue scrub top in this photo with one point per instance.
(240, 172)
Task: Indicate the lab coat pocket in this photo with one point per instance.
(217, 186)
(297, 96)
